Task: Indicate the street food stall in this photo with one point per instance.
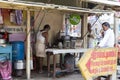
(62, 10)
(55, 52)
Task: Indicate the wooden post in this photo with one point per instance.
(116, 28)
(28, 46)
(85, 29)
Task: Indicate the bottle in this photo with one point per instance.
(60, 45)
(12, 17)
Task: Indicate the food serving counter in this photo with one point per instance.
(55, 52)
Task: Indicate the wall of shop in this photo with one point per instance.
(55, 20)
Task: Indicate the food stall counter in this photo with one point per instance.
(55, 52)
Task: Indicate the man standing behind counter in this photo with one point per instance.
(108, 40)
(41, 43)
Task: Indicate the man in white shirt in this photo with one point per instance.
(108, 39)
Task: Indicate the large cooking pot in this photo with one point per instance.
(19, 64)
(2, 41)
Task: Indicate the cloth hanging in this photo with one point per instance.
(5, 70)
(18, 14)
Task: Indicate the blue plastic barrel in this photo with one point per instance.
(18, 50)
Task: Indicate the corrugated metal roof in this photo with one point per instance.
(57, 2)
(105, 2)
(25, 5)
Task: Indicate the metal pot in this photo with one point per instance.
(19, 64)
(72, 43)
(67, 37)
(2, 41)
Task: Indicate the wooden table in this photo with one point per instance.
(55, 52)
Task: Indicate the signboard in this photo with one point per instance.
(74, 19)
(72, 25)
(117, 14)
(15, 29)
(98, 62)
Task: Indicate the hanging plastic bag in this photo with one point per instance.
(12, 17)
(18, 15)
(5, 70)
(1, 17)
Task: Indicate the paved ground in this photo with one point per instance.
(38, 76)
(43, 76)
